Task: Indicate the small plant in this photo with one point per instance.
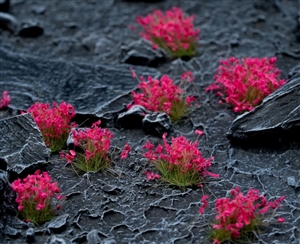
(95, 144)
(35, 197)
(239, 216)
(163, 95)
(173, 31)
(245, 83)
(5, 100)
(179, 163)
(126, 151)
(54, 123)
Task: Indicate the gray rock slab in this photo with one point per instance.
(21, 144)
(87, 87)
(140, 52)
(278, 115)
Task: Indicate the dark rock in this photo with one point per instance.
(58, 239)
(38, 9)
(31, 28)
(58, 222)
(298, 28)
(278, 117)
(141, 53)
(70, 25)
(7, 195)
(109, 241)
(157, 124)
(294, 71)
(8, 22)
(93, 237)
(4, 5)
(291, 181)
(235, 40)
(30, 235)
(103, 45)
(10, 231)
(21, 144)
(146, 1)
(90, 41)
(132, 118)
(87, 87)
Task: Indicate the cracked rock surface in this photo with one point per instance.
(21, 144)
(120, 205)
(278, 115)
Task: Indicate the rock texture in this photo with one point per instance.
(141, 53)
(87, 87)
(21, 144)
(278, 116)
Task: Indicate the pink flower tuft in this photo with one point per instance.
(5, 100)
(245, 83)
(172, 31)
(125, 151)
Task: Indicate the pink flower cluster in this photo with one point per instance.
(94, 141)
(126, 151)
(151, 175)
(5, 100)
(172, 31)
(239, 211)
(245, 83)
(34, 193)
(181, 153)
(162, 95)
(54, 123)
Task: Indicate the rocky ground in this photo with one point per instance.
(80, 52)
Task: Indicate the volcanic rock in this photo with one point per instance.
(31, 28)
(58, 222)
(102, 45)
(93, 237)
(30, 234)
(141, 53)
(21, 144)
(38, 9)
(157, 123)
(278, 117)
(58, 239)
(4, 5)
(132, 118)
(6, 195)
(298, 28)
(8, 22)
(89, 88)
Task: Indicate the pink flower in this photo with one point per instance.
(280, 219)
(34, 193)
(171, 30)
(125, 151)
(161, 95)
(188, 75)
(245, 83)
(95, 143)
(132, 73)
(54, 123)
(240, 210)
(4, 101)
(204, 204)
(151, 175)
(199, 132)
(69, 156)
(180, 159)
